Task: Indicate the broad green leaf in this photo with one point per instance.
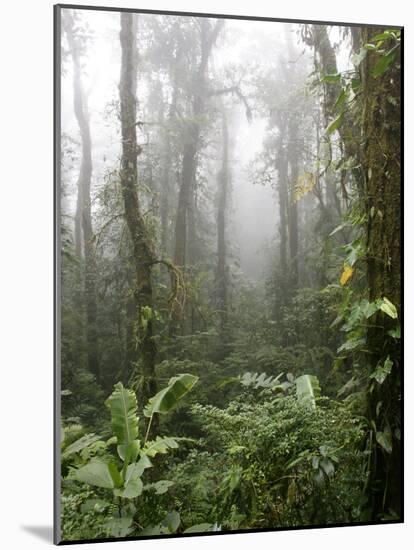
(382, 371)
(80, 444)
(160, 446)
(132, 489)
(389, 308)
(165, 400)
(111, 441)
(352, 344)
(129, 451)
(307, 389)
(384, 63)
(383, 36)
(135, 470)
(384, 439)
(143, 463)
(335, 124)
(172, 521)
(123, 406)
(99, 474)
(133, 485)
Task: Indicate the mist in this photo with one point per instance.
(229, 211)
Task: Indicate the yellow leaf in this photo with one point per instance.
(346, 274)
(305, 183)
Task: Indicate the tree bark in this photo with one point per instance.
(143, 253)
(184, 195)
(293, 157)
(348, 130)
(293, 205)
(381, 158)
(283, 197)
(223, 190)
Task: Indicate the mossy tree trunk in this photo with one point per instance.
(381, 157)
(143, 253)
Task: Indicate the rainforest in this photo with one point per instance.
(229, 250)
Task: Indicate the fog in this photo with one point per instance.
(243, 50)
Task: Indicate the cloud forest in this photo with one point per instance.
(229, 282)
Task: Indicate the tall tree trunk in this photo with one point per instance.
(328, 65)
(83, 216)
(293, 161)
(142, 246)
(381, 157)
(165, 188)
(283, 207)
(184, 195)
(208, 36)
(167, 154)
(223, 190)
(293, 158)
(281, 295)
(78, 221)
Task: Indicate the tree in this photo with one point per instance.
(83, 216)
(223, 191)
(197, 93)
(143, 249)
(208, 36)
(381, 157)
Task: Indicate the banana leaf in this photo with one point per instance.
(165, 400)
(308, 389)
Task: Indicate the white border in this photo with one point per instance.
(26, 233)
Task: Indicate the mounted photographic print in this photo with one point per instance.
(228, 274)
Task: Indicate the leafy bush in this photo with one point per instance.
(116, 482)
(278, 463)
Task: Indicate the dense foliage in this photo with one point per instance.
(210, 385)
